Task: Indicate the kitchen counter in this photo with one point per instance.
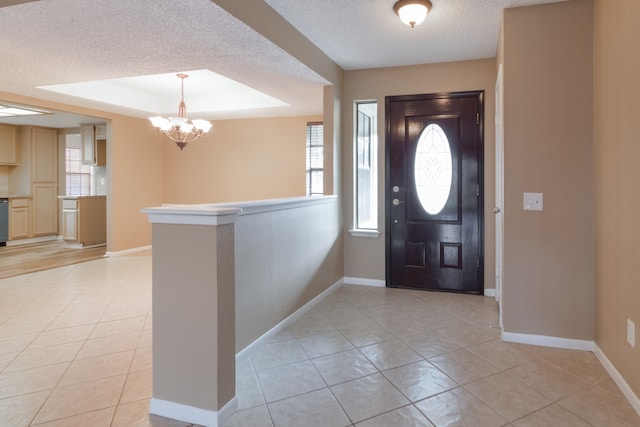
(81, 197)
(14, 196)
(84, 220)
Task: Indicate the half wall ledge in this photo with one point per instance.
(192, 214)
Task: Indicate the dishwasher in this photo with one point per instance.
(4, 221)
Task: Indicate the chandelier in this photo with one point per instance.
(180, 129)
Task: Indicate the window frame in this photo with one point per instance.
(365, 158)
(83, 172)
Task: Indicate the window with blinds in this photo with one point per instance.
(315, 158)
(78, 176)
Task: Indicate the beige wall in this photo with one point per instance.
(245, 159)
(617, 204)
(332, 141)
(193, 324)
(134, 154)
(240, 160)
(365, 257)
(277, 270)
(548, 256)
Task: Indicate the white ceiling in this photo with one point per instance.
(62, 42)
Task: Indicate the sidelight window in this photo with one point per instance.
(365, 161)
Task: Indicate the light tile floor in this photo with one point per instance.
(75, 350)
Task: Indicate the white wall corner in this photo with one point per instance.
(617, 378)
(548, 341)
(128, 251)
(364, 282)
(191, 414)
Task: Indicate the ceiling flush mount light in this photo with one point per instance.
(412, 12)
(10, 110)
(180, 129)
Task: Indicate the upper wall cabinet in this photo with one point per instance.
(8, 145)
(88, 141)
(94, 145)
(101, 132)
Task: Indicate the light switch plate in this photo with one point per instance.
(532, 201)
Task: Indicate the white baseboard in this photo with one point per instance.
(490, 293)
(32, 240)
(617, 378)
(548, 341)
(364, 282)
(250, 350)
(382, 284)
(129, 251)
(81, 246)
(579, 345)
(191, 414)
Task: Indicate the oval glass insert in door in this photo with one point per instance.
(433, 170)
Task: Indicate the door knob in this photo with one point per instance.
(396, 202)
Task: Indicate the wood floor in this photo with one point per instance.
(21, 259)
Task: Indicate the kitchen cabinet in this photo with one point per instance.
(44, 155)
(101, 132)
(84, 220)
(45, 209)
(94, 145)
(70, 220)
(37, 176)
(8, 145)
(19, 218)
(38, 149)
(101, 152)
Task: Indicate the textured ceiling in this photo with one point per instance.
(359, 34)
(54, 42)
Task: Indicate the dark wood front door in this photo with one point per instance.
(434, 200)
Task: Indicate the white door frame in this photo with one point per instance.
(499, 189)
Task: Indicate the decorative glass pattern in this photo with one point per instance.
(433, 169)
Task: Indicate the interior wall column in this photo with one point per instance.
(193, 313)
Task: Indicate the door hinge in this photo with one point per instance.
(477, 118)
(477, 190)
(477, 262)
